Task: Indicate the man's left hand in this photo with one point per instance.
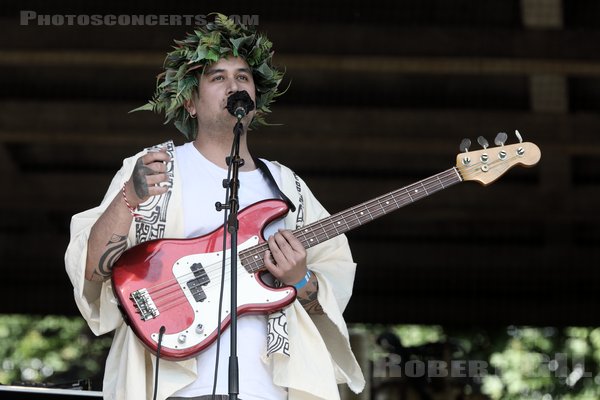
(286, 257)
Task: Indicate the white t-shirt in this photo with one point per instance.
(202, 188)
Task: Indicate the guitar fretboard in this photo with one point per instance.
(344, 221)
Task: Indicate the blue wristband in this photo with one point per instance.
(303, 281)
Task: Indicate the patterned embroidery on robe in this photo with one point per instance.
(277, 340)
(153, 220)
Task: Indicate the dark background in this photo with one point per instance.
(381, 95)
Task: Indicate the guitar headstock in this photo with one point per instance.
(489, 164)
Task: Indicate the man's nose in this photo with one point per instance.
(232, 87)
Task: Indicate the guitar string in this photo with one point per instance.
(179, 299)
(249, 255)
(163, 299)
(370, 205)
(373, 208)
(177, 294)
(256, 262)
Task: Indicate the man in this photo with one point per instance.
(301, 352)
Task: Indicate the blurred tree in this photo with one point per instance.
(55, 349)
(409, 361)
(546, 364)
(433, 362)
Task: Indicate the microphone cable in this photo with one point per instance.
(161, 332)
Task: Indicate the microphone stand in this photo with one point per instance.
(235, 163)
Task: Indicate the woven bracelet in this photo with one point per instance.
(132, 210)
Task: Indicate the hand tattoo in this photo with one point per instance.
(139, 178)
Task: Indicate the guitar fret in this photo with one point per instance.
(317, 237)
(354, 222)
(336, 229)
(344, 220)
(375, 211)
(392, 203)
(441, 183)
(308, 241)
(382, 209)
(326, 235)
(362, 214)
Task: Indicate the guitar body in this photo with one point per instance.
(176, 283)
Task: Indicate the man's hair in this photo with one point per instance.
(208, 44)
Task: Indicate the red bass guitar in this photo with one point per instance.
(175, 283)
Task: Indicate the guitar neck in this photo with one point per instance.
(344, 221)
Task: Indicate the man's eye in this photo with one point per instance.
(243, 77)
(218, 78)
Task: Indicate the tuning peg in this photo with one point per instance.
(464, 147)
(500, 139)
(483, 142)
(518, 135)
(465, 144)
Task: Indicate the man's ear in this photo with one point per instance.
(189, 106)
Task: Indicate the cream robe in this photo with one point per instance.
(320, 354)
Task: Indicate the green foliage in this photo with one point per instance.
(49, 348)
(538, 362)
(417, 335)
(520, 362)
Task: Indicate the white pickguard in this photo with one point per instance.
(205, 312)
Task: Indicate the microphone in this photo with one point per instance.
(239, 104)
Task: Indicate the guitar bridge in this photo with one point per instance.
(144, 304)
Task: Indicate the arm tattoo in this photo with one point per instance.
(309, 300)
(114, 248)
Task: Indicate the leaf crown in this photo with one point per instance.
(217, 39)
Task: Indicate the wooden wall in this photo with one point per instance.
(381, 95)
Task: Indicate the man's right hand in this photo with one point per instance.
(150, 170)
(108, 236)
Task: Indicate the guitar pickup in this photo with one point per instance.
(195, 285)
(144, 304)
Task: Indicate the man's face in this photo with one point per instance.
(219, 81)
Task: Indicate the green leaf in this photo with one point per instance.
(211, 40)
(265, 71)
(199, 54)
(241, 42)
(186, 86)
(229, 25)
(181, 71)
(146, 107)
(212, 56)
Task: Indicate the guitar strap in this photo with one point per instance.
(267, 172)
